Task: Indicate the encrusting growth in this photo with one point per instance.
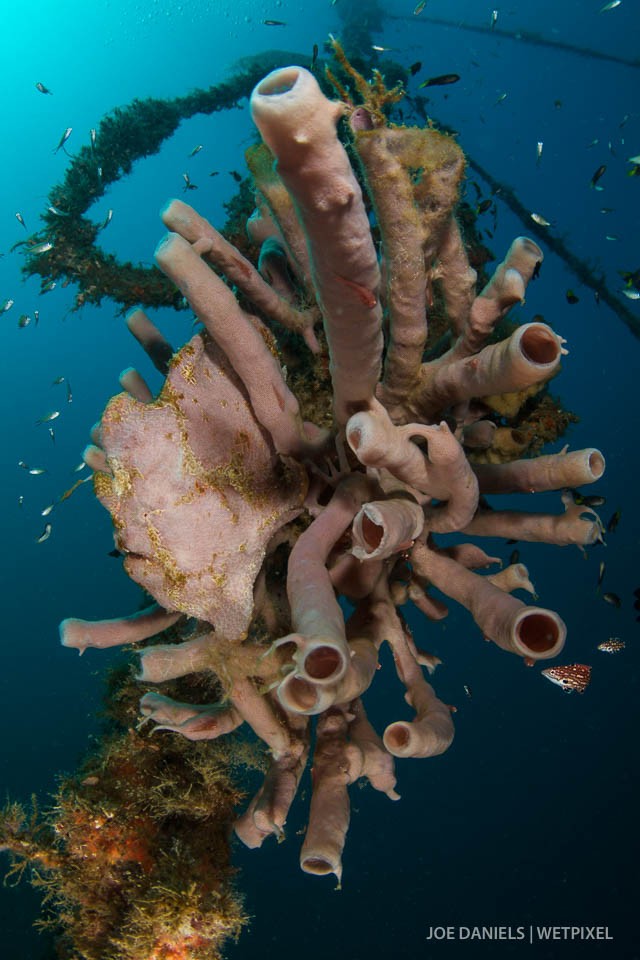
(219, 481)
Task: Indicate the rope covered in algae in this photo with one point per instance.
(138, 130)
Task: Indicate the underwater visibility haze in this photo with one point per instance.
(139, 785)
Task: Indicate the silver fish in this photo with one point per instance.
(540, 220)
(20, 219)
(46, 533)
(41, 247)
(47, 510)
(37, 471)
(63, 139)
(48, 417)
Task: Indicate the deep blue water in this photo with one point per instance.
(531, 816)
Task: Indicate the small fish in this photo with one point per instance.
(635, 159)
(107, 220)
(46, 533)
(594, 500)
(115, 554)
(36, 316)
(572, 678)
(593, 143)
(214, 173)
(484, 206)
(274, 23)
(612, 645)
(21, 463)
(48, 417)
(47, 510)
(515, 557)
(416, 67)
(503, 96)
(614, 520)
(6, 306)
(440, 81)
(469, 692)
(379, 49)
(536, 273)
(596, 296)
(41, 87)
(20, 500)
(366, 297)
(52, 434)
(314, 55)
(39, 248)
(57, 380)
(36, 471)
(236, 176)
(417, 10)
(539, 146)
(20, 219)
(24, 320)
(92, 137)
(99, 172)
(613, 599)
(195, 150)
(69, 394)
(79, 468)
(635, 171)
(63, 139)
(607, 209)
(49, 286)
(631, 294)
(597, 174)
(187, 183)
(540, 220)
(56, 212)
(610, 6)
(78, 483)
(601, 570)
(571, 297)
(557, 104)
(494, 18)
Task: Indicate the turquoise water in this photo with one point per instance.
(531, 816)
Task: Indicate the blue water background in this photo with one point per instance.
(531, 817)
